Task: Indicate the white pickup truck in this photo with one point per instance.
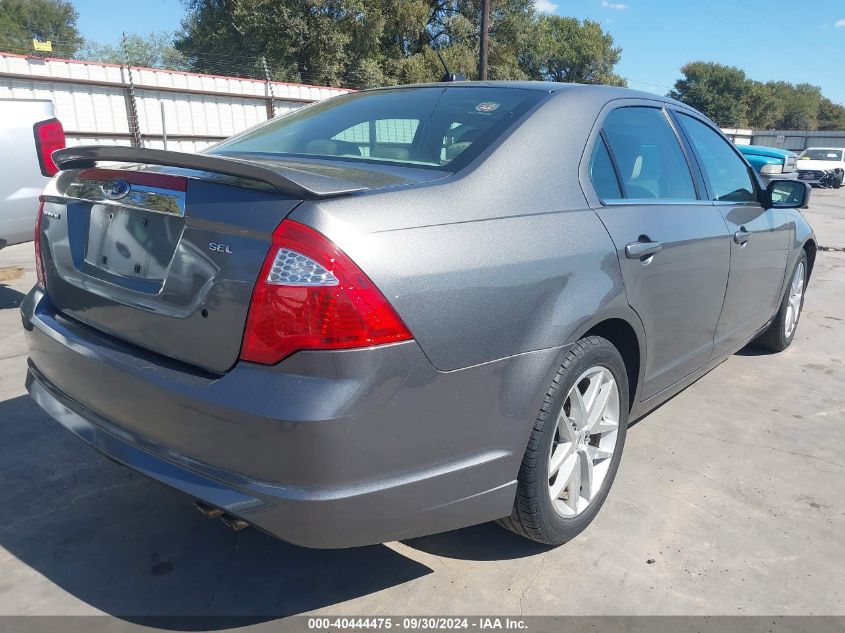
(29, 132)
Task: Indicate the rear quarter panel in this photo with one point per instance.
(477, 291)
(801, 234)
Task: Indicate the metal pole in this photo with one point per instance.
(485, 34)
(163, 125)
(268, 88)
(134, 125)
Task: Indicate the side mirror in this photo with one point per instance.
(787, 194)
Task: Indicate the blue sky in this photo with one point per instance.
(769, 39)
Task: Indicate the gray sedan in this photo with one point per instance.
(406, 310)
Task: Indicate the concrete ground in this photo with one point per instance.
(729, 500)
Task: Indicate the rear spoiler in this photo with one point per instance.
(286, 180)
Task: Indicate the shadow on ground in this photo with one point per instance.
(137, 550)
(132, 548)
(752, 349)
(485, 542)
(9, 297)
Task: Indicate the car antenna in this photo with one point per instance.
(449, 76)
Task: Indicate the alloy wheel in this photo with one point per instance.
(584, 442)
(793, 305)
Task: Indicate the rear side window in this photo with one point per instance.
(648, 154)
(726, 173)
(430, 127)
(603, 174)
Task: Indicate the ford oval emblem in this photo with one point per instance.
(115, 189)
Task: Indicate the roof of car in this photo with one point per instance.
(545, 86)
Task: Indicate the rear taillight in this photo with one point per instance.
(310, 295)
(49, 136)
(39, 260)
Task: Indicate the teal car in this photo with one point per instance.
(771, 162)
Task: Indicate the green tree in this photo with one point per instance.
(153, 50)
(54, 20)
(565, 49)
(765, 108)
(801, 105)
(303, 40)
(721, 92)
(362, 43)
(831, 115)
(731, 99)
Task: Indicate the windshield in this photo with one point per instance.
(821, 154)
(434, 127)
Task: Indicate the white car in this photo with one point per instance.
(29, 132)
(822, 166)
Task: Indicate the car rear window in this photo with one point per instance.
(432, 127)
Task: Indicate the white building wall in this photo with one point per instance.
(91, 101)
(797, 140)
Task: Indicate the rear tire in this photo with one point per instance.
(546, 508)
(781, 332)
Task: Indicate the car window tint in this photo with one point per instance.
(648, 154)
(434, 127)
(384, 138)
(724, 171)
(603, 174)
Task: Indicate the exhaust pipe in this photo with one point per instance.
(208, 510)
(212, 512)
(234, 522)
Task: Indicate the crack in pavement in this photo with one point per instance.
(13, 356)
(745, 445)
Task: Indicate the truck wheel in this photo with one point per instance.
(575, 446)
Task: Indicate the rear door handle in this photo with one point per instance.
(639, 250)
(742, 236)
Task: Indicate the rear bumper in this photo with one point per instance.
(328, 449)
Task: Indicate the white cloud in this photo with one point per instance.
(614, 5)
(839, 24)
(545, 6)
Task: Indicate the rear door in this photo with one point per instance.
(673, 247)
(759, 237)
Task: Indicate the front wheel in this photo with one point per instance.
(780, 333)
(575, 447)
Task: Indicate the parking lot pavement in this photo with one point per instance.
(827, 217)
(729, 500)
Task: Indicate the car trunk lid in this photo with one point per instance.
(165, 256)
